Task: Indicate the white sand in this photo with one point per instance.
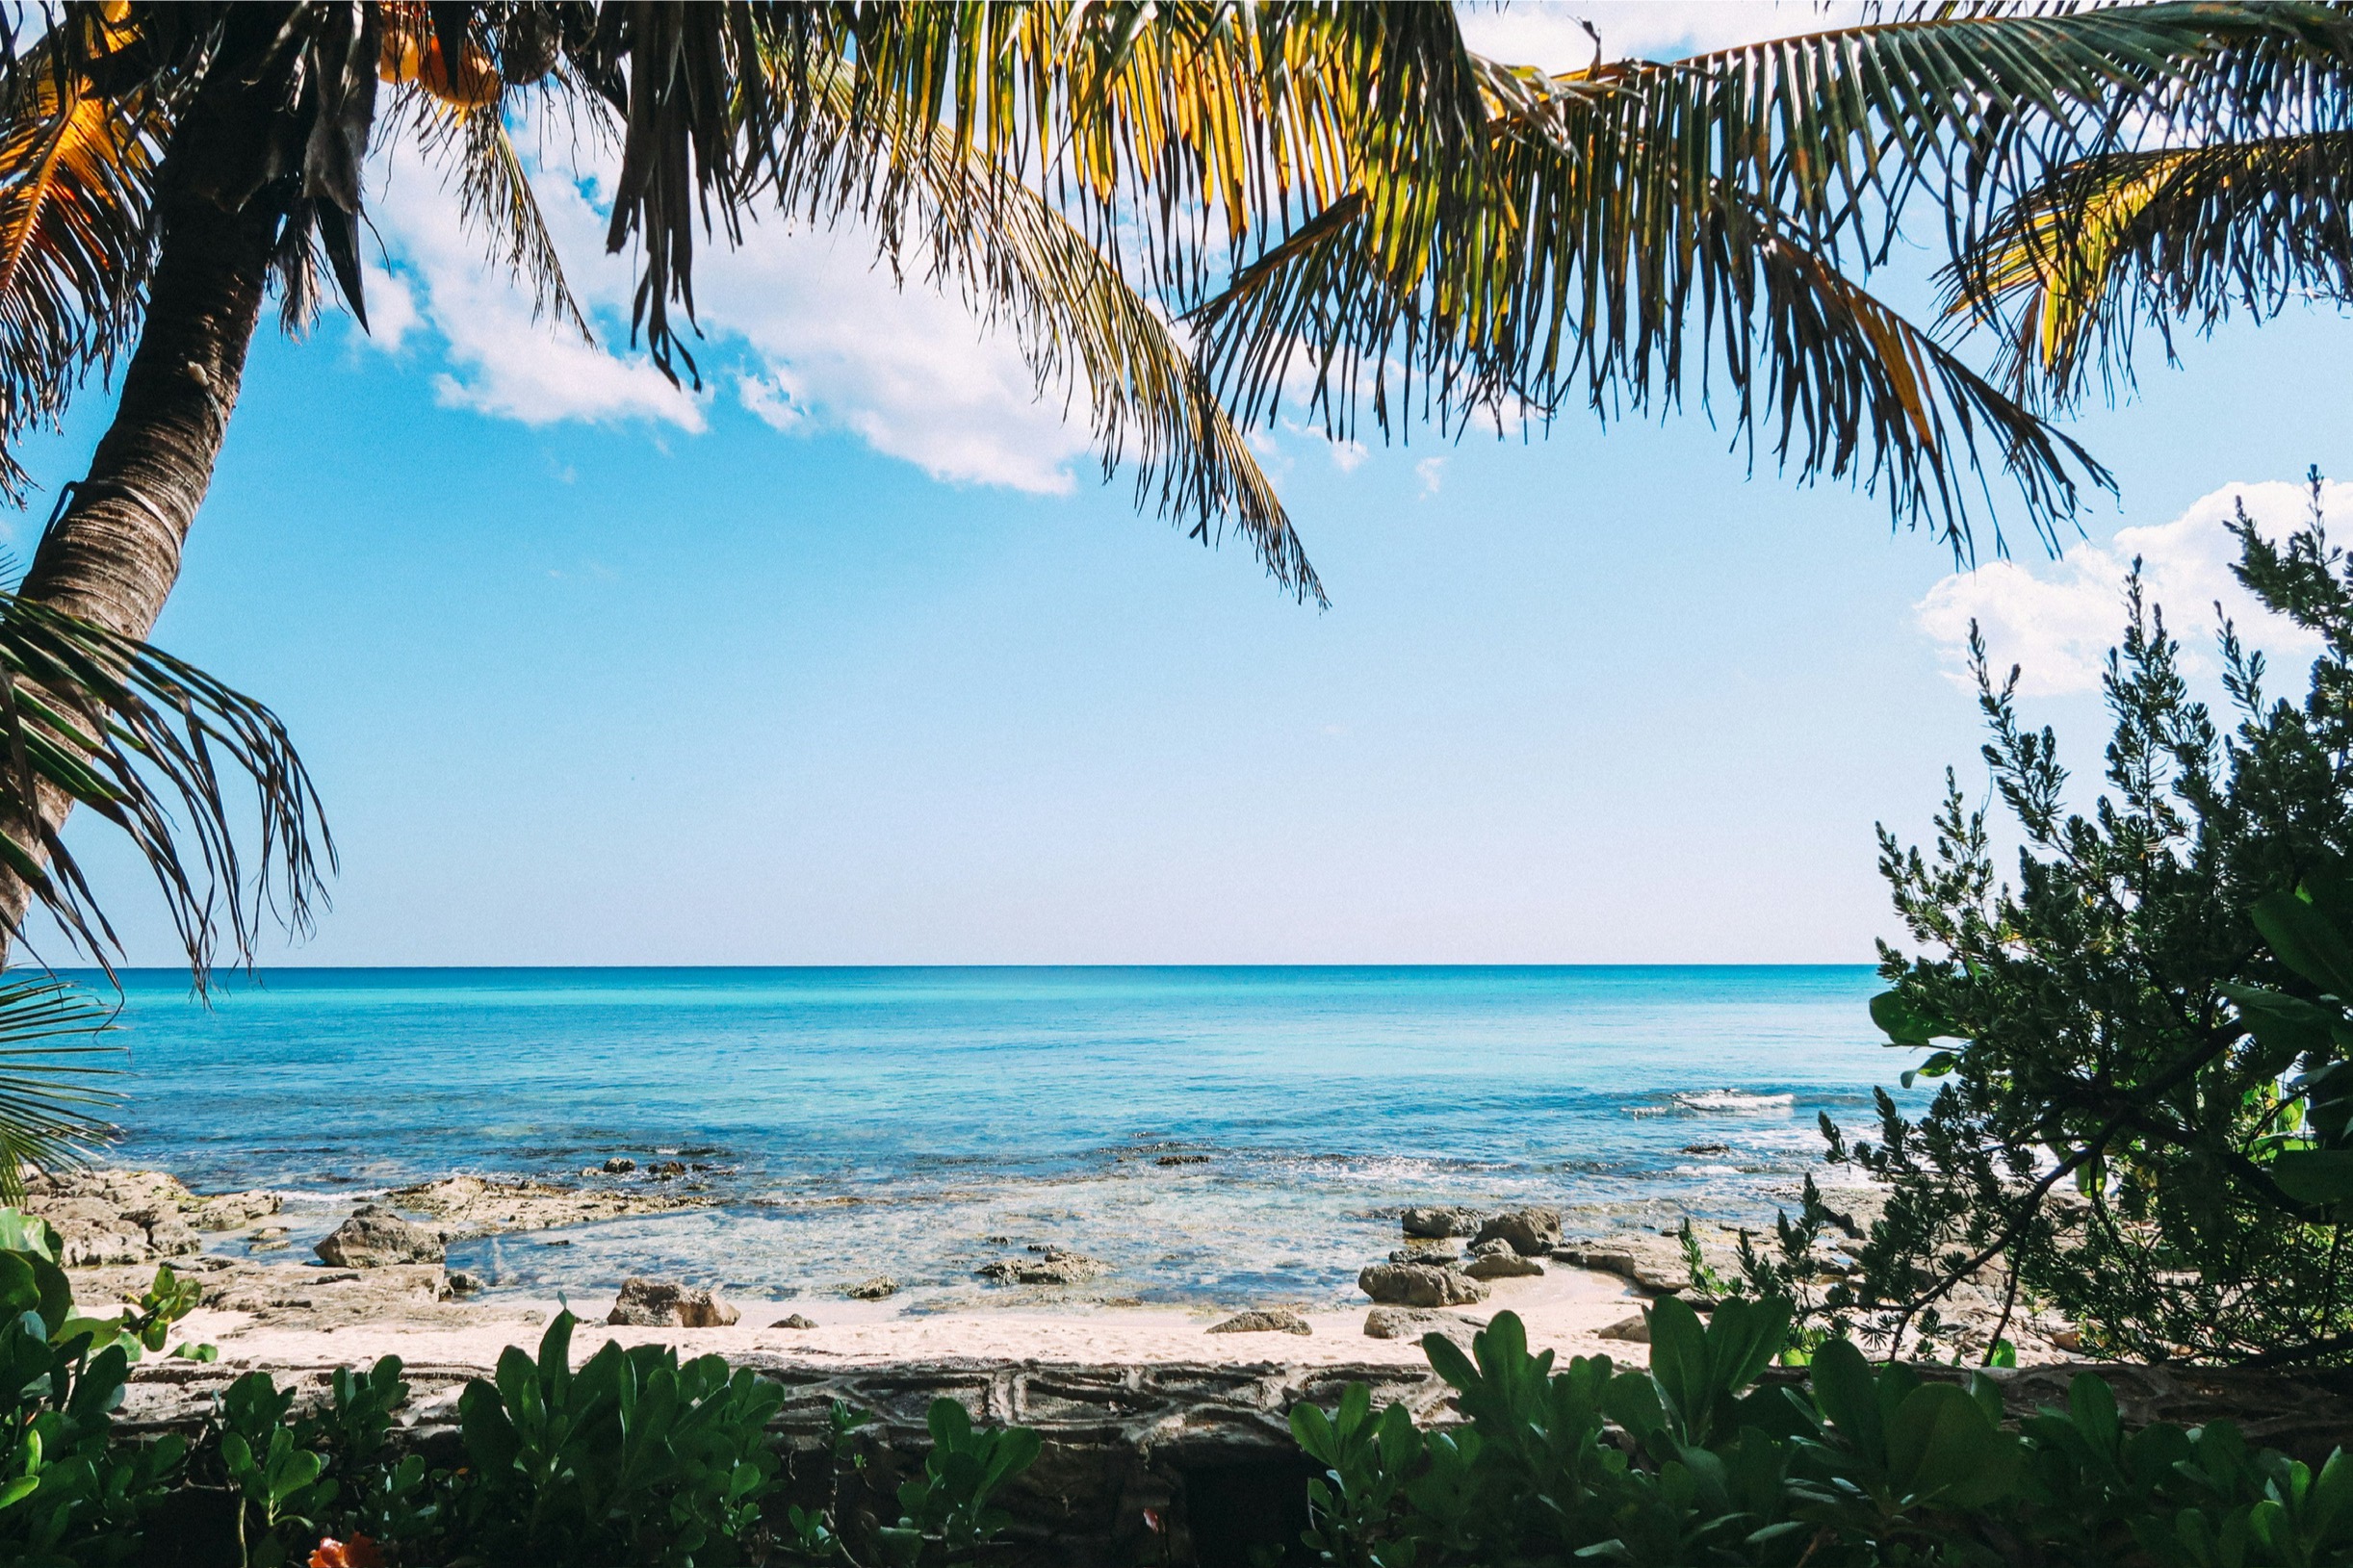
(1563, 1310)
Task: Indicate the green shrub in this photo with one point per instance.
(70, 1492)
(2134, 1071)
(633, 1458)
(1864, 1466)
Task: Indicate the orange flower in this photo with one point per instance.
(358, 1551)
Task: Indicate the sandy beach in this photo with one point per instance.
(1564, 1309)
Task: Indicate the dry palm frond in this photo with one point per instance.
(77, 171)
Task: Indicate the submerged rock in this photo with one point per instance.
(1532, 1232)
(1405, 1322)
(620, 1165)
(374, 1237)
(1440, 1223)
(1054, 1267)
(665, 1304)
(1419, 1285)
(1274, 1322)
(874, 1289)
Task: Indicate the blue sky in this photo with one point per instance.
(589, 675)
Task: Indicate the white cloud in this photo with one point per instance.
(838, 344)
(1347, 455)
(1432, 471)
(808, 332)
(501, 361)
(2058, 622)
(392, 307)
(1546, 33)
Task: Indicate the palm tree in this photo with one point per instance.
(1186, 213)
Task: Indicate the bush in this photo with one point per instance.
(1692, 1463)
(634, 1458)
(2135, 1071)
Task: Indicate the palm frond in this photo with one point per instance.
(940, 206)
(54, 1101)
(1351, 209)
(2159, 235)
(496, 200)
(77, 172)
(149, 744)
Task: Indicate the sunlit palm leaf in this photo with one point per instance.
(54, 1101)
(2173, 233)
(1358, 212)
(150, 744)
(943, 209)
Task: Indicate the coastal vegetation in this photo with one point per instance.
(635, 1457)
(2140, 1044)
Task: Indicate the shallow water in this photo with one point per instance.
(856, 1121)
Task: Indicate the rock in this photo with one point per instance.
(470, 1206)
(1502, 1265)
(1054, 1267)
(669, 1169)
(1662, 1280)
(234, 1211)
(1441, 1221)
(374, 1235)
(665, 1304)
(620, 1165)
(1276, 1321)
(1419, 1285)
(461, 1283)
(169, 1234)
(92, 1231)
(1532, 1232)
(796, 1320)
(1707, 1148)
(1182, 1159)
(1441, 1254)
(874, 1289)
(1405, 1322)
(1634, 1330)
(1606, 1260)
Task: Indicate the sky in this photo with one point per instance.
(852, 660)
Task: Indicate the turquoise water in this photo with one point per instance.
(919, 1121)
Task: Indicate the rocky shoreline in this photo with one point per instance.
(386, 1262)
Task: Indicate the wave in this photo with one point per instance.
(1735, 1102)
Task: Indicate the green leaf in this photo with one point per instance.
(1848, 1396)
(2314, 1175)
(1940, 1446)
(2307, 941)
(1906, 1022)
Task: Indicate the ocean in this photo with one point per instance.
(1218, 1134)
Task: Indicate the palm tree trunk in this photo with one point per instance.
(114, 554)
